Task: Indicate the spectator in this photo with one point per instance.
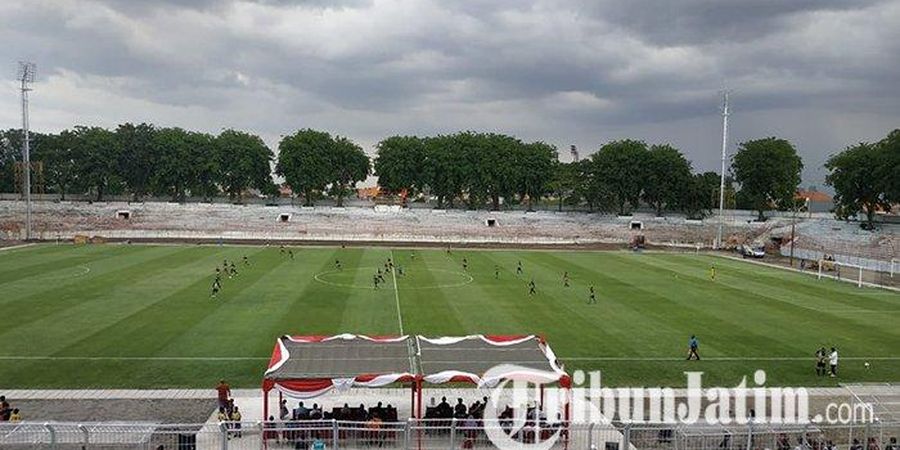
(269, 433)
(301, 412)
(443, 409)
(377, 411)
(284, 413)
(873, 444)
(4, 409)
(363, 415)
(223, 392)
(315, 413)
(892, 444)
(471, 426)
(345, 412)
(459, 411)
(856, 445)
(236, 419)
(15, 416)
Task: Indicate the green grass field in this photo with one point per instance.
(141, 316)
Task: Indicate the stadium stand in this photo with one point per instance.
(64, 220)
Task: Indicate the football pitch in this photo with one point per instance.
(141, 316)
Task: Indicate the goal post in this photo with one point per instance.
(841, 271)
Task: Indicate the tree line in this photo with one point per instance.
(143, 160)
(466, 169)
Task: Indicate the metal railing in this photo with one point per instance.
(444, 434)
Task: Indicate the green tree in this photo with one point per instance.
(400, 164)
(349, 165)
(564, 183)
(203, 162)
(137, 159)
(173, 174)
(61, 172)
(667, 175)
(534, 170)
(10, 153)
(857, 187)
(245, 162)
(890, 170)
(620, 167)
(303, 161)
(768, 171)
(96, 155)
(699, 195)
(444, 169)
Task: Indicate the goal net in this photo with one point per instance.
(829, 268)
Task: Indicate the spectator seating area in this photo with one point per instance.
(211, 221)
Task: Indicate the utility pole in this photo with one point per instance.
(26, 77)
(722, 179)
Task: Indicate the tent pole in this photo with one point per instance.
(419, 398)
(542, 397)
(265, 404)
(412, 399)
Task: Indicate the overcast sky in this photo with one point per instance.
(821, 73)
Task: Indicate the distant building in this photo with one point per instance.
(818, 200)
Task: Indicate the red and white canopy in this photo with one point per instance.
(309, 366)
(486, 360)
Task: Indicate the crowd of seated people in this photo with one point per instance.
(300, 427)
(460, 411)
(343, 413)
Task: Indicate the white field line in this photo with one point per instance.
(727, 358)
(14, 247)
(396, 292)
(132, 358)
(563, 358)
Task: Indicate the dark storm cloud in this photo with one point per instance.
(820, 72)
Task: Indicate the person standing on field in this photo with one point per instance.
(693, 346)
(833, 361)
(821, 354)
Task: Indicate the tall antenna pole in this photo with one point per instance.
(722, 179)
(26, 76)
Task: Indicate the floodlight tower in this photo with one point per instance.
(26, 77)
(722, 178)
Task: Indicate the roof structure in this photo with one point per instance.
(486, 360)
(308, 366)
